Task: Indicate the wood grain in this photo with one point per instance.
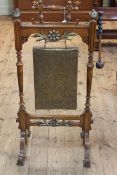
(57, 151)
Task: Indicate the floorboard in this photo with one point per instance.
(57, 151)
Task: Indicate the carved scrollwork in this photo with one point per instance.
(85, 39)
(70, 6)
(54, 36)
(24, 39)
(54, 122)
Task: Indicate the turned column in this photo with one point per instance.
(21, 113)
(91, 45)
(90, 65)
(87, 114)
(18, 47)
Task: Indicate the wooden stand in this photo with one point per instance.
(23, 30)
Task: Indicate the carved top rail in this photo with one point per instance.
(70, 6)
(23, 30)
(54, 31)
(81, 29)
(24, 4)
(71, 9)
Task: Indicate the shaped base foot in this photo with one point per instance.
(86, 163)
(20, 161)
(21, 157)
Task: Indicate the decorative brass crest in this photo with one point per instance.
(16, 13)
(54, 122)
(93, 13)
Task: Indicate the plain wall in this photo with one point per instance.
(6, 7)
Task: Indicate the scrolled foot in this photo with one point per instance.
(86, 163)
(21, 157)
(20, 160)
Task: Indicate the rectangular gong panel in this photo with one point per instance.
(55, 78)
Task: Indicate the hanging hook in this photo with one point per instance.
(64, 21)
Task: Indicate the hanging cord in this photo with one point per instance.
(64, 20)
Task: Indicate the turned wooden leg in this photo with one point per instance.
(22, 112)
(87, 117)
(21, 157)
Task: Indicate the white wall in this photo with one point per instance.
(106, 3)
(6, 7)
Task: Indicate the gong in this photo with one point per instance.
(55, 77)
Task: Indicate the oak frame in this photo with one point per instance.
(109, 15)
(87, 32)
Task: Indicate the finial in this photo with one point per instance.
(16, 13)
(93, 14)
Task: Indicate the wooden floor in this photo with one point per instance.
(57, 151)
